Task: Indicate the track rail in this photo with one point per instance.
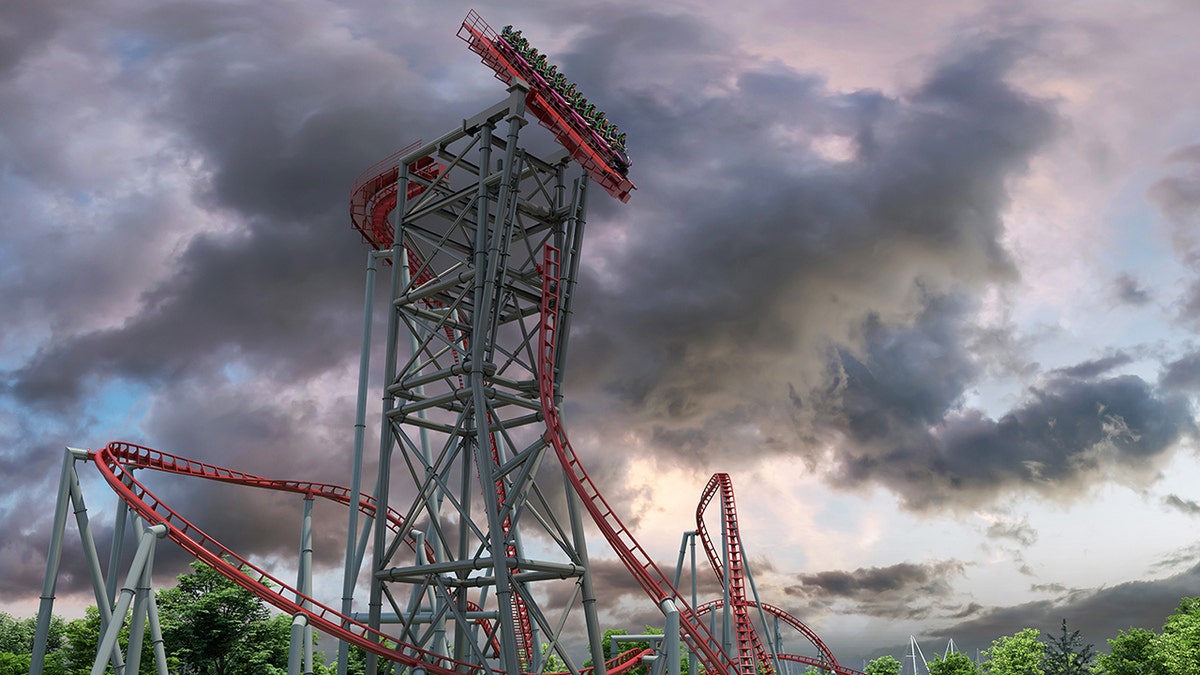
(825, 660)
(636, 559)
(552, 112)
(116, 463)
(749, 644)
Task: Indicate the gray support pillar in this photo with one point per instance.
(92, 557)
(299, 626)
(386, 439)
(510, 660)
(671, 636)
(53, 558)
(108, 641)
(433, 503)
(160, 653)
(590, 617)
(137, 625)
(120, 517)
(304, 578)
(353, 562)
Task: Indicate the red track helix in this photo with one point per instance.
(749, 644)
(116, 463)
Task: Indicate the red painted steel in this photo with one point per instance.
(116, 463)
(749, 645)
(552, 112)
(373, 195)
(826, 659)
(636, 560)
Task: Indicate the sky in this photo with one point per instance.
(922, 277)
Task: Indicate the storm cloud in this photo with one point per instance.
(810, 270)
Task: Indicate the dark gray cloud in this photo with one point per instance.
(800, 295)
(1129, 291)
(1182, 373)
(1019, 531)
(1183, 505)
(903, 591)
(1066, 434)
(1096, 367)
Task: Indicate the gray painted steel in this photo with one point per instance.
(461, 453)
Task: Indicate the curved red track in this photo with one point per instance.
(373, 197)
(116, 462)
(749, 643)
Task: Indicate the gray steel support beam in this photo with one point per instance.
(108, 641)
(590, 615)
(295, 647)
(671, 630)
(304, 579)
(386, 440)
(484, 288)
(53, 558)
(353, 561)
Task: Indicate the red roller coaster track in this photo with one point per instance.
(750, 646)
(117, 460)
(373, 197)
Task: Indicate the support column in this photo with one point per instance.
(53, 558)
(360, 430)
(108, 641)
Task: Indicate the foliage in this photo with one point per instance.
(953, 663)
(216, 627)
(16, 645)
(1177, 648)
(1016, 654)
(1067, 654)
(83, 640)
(884, 665)
(1132, 652)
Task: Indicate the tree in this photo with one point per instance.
(83, 640)
(216, 627)
(1132, 652)
(1016, 654)
(16, 645)
(952, 663)
(884, 665)
(1067, 655)
(1178, 646)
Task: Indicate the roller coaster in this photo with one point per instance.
(478, 563)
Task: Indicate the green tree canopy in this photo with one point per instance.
(1067, 654)
(1132, 652)
(1016, 654)
(216, 627)
(884, 665)
(953, 663)
(1178, 646)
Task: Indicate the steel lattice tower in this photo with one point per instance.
(461, 411)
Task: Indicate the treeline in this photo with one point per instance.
(1136, 651)
(212, 626)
